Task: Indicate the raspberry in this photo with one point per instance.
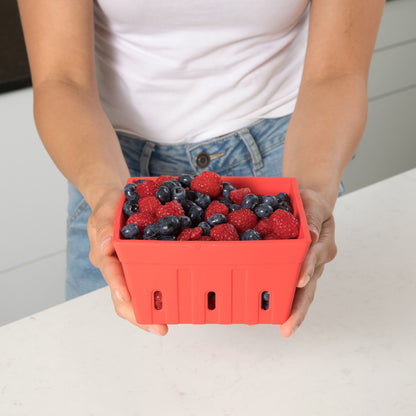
(147, 188)
(224, 232)
(208, 183)
(164, 178)
(284, 224)
(205, 238)
(190, 234)
(149, 204)
(264, 227)
(170, 208)
(238, 195)
(141, 219)
(243, 219)
(271, 236)
(216, 208)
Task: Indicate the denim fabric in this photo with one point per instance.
(256, 150)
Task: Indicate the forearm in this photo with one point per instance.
(79, 138)
(324, 132)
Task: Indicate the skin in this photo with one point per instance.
(324, 132)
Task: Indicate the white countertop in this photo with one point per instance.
(354, 354)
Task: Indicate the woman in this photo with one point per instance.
(170, 81)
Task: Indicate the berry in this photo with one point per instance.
(206, 228)
(208, 183)
(203, 200)
(130, 208)
(185, 222)
(270, 200)
(234, 207)
(263, 210)
(215, 208)
(147, 188)
(170, 208)
(141, 219)
(167, 237)
(163, 194)
(149, 204)
(130, 192)
(139, 181)
(196, 214)
(271, 236)
(185, 180)
(172, 183)
(130, 231)
(250, 201)
(238, 195)
(251, 235)
(164, 178)
(168, 225)
(264, 227)
(226, 189)
(217, 219)
(151, 232)
(285, 206)
(205, 238)
(282, 196)
(284, 224)
(178, 194)
(227, 202)
(191, 195)
(243, 219)
(224, 232)
(190, 234)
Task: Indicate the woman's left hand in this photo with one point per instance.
(322, 250)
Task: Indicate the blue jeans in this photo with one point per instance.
(256, 150)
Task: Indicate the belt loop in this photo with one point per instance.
(252, 147)
(145, 158)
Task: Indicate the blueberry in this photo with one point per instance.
(217, 219)
(167, 237)
(179, 194)
(185, 222)
(234, 207)
(168, 225)
(130, 192)
(139, 181)
(250, 235)
(196, 214)
(130, 208)
(263, 210)
(286, 206)
(227, 202)
(130, 231)
(187, 205)
(206, 229)
(191, 195)
(171, 184)
(226, 189)
(203, 200)
(163, 194)
(185, 180)
(250, 201)
(282, 196)
(151, 232)
(271, 200)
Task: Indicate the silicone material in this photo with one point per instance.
(172, 281)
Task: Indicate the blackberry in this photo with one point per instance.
(179, 194)
(250, 201)
(250, 235)
(206, 229)
(163, 194)
(217, 219)
(151, 232)
(270, 200)
(130, 192)
(196, 214)
(203, 200)
(130, 231)
(168, 225)
(263, 210)
(185, 222)
(130, 208)
(185, 180)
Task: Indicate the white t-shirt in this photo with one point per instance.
(181, 71)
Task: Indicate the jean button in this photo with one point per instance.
(202, 160)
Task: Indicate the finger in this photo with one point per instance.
(316, 212)
(321, 252)
(125, 311)
(112, 272)
(301, 303)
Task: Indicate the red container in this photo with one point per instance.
(170, 282)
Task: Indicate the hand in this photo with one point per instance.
(322, 250)
(103, 256)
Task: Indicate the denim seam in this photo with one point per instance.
(81, 207)
(252, 148)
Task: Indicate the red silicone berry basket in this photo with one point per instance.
(173, 282)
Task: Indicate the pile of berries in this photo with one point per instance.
(203, 207)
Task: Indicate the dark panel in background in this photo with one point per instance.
(14, 66)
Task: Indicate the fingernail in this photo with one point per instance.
(305, 280)
(152, 330)
(105, 241)
(119, 297)
(315, 233)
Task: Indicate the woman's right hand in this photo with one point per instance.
(103, 256)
